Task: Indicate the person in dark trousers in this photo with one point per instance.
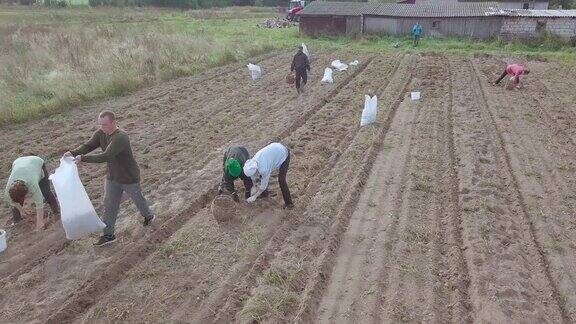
(300, 65)
(516, 71)
(234, 159)
(269, 159)
(123, 172)
(29, 176)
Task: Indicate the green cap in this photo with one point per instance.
(233, 167)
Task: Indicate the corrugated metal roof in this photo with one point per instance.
(539, 13)
(322, 8)
(433, 9)
(503, 1)
(425, 9)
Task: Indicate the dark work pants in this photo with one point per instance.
(282, 180)
(49, 197)
(301, 75)
(501, 77)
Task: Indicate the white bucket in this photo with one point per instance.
(415, 95)
(2, 240)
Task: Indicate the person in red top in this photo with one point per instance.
(514, 70)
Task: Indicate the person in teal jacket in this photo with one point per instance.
(417, 33)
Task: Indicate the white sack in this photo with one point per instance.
(370, 110)
(255, 71)
(327, 78)
(78, 215)
(305, 51)
(339, 65)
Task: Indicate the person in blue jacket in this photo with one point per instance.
(417, 33)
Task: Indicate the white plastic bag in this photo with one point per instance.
(370, 110)
(78, 215)
(354, 63)
(339, 65)
(255, 71)
(327, 78)
(305, 51)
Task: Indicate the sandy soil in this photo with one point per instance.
(455, 208)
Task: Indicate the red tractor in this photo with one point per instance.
(295, 7)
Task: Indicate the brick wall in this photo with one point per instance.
(530, 27)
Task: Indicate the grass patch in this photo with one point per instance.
(274, 303)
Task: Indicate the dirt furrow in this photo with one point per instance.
(546, 184)
(208, 176)
(293, 127)
(47, 245)
(350, 293)
(509, 280)
(301, 142)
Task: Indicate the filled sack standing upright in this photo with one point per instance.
(327, 78)
(370, 110)
(78, 215)
(255, 71)
(305, 51)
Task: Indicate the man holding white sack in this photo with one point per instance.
(123, 172)
(269, 159)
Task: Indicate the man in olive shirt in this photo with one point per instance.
(234, 159)
(123, 172)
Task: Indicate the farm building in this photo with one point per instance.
(505, 4)
(527, 23)
(438, 19)
(518, 4)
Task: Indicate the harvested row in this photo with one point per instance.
(278, 275)
(541, 154)
(53, 136)
(400, 259)
(90, 263)
(255, 227)
(508, 279)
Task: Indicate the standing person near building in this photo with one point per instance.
(417, 33)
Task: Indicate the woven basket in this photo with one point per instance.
(223, 208)
(290, 79)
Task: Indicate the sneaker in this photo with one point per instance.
(104, 239)
(149, 221)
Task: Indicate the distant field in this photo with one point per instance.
(54, 59)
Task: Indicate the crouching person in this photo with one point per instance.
(269, 159)
(29, 178)
(234, 159)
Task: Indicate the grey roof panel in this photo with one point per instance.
(426, 9)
